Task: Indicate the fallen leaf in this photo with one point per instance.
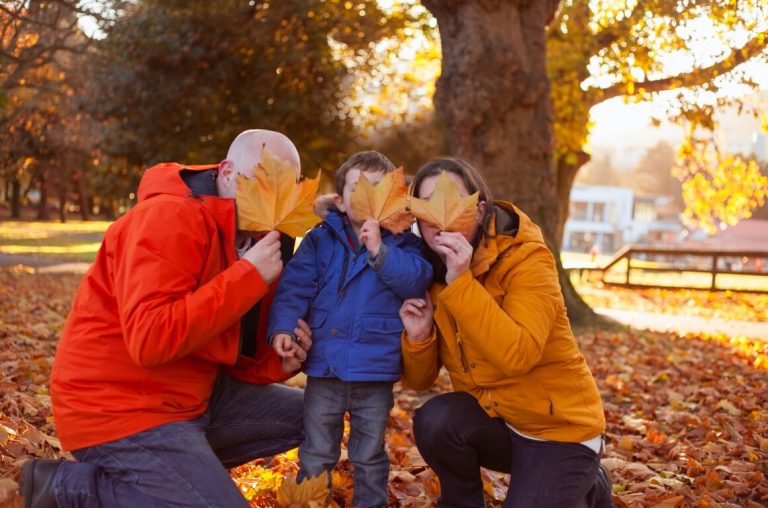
(386, 202)
(446, 208)
(273, 200)
(310, 493)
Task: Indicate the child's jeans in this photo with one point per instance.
(368, 404)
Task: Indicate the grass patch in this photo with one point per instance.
(69, 241)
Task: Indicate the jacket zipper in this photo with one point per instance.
(464, 364)
(343, 270)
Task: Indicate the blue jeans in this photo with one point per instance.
(184, 463)
(368, 404)
(456, 438)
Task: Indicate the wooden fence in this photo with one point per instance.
(678, 267)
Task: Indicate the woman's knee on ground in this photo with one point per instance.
(439, 415)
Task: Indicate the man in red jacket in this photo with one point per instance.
(161, 377)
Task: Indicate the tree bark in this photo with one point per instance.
(493, 96)
(85, 206)
(15, 198)
(63, 202)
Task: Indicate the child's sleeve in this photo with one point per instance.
(297, 288)
(403, 268)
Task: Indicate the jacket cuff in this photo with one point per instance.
(415, 347)
(271, 338)
(377, 261)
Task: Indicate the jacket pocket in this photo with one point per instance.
(377, 349)
(317, 319)
(381, 325)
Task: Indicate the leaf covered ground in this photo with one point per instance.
(687, 416)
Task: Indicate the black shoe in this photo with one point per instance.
(37, 483)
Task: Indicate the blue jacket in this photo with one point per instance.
(352, 308)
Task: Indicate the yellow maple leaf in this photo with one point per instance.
(310, 493)
(274, 200)
(386, 202)
(446, 208)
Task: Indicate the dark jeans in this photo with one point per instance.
(456, 438)
(184, 463)
(368, 404)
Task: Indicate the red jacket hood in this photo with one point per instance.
(165, 178)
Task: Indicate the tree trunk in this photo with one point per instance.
(493, 96)
(42, 206)
(85, 210)
(63, 202)
(15, 198)
(578, 310)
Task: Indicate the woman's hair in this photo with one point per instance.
(473, 181)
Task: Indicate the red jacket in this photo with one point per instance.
(156, 317)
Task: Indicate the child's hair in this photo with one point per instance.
(370, 160)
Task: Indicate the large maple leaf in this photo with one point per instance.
(446, 208)
(386, 202)
(274, 200)
(311, 493)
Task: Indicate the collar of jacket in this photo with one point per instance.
(335, 221)
(508, 227)
(166, 179)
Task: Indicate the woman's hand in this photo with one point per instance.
(416, 314)
(457, 253)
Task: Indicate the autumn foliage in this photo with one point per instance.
(386, 202)
(687, 416)
(275, 199)
(446, 208)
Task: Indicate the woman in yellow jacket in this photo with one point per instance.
(524, 399)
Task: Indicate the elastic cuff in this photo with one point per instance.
(377, 261)
(271, 338)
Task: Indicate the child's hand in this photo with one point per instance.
(370, 235)
(283, 345)
(416, 314)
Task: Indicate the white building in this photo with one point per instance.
(612, 217)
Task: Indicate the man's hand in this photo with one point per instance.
(416, 314)
(299, 349)
(370, 235)
(265, 256)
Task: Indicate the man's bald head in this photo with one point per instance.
(245, 153)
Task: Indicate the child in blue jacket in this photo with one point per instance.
(348, 280)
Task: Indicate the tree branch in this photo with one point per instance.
(696, 77)
(614, 32)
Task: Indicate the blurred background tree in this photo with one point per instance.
(176, 80)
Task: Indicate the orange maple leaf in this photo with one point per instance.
(386, 202)
(274, 200)
(446, 208)
(310, 493)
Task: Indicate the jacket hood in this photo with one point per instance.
(508, 227)
(166, 178)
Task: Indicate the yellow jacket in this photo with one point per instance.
(503, 336)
